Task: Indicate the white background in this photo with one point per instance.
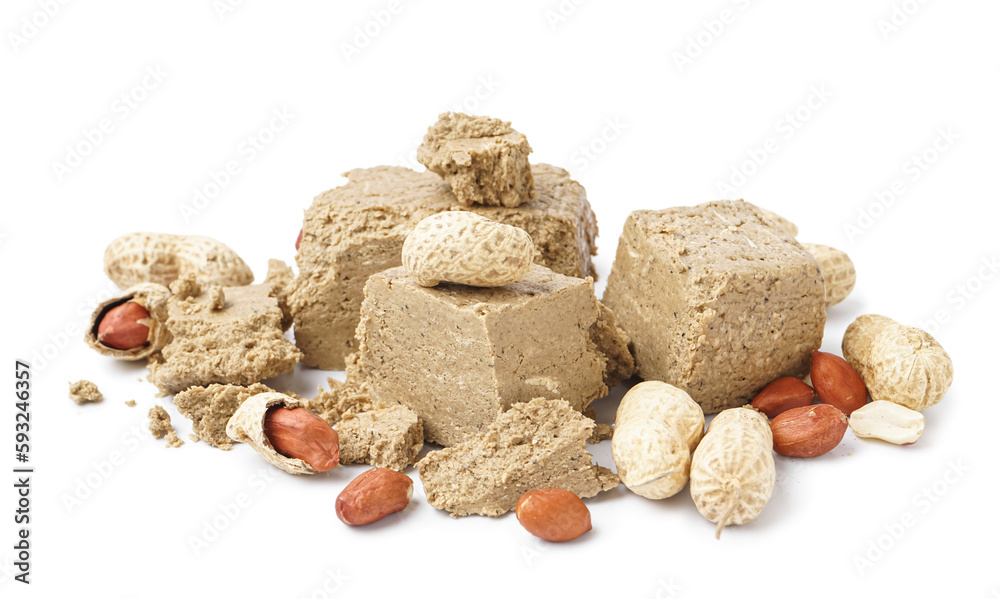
(665, 100)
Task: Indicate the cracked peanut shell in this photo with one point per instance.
(247, 426)
(153, 298)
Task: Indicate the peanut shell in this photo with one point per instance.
(667, 404)
(732, 470)
(898, 363)
(153, 297)
(468, 249)
(247, 426)
(162, 258)
(652, 458)
(838, 271)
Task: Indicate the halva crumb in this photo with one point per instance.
(84, 391)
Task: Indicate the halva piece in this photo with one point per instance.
(602, 432)
(211, 407)
(385, 437)
(717, 300)
(483, 159)
(538, 444)
(226, 335)
(460, 355)
(358, 229)
(160, 427)
(353, 395)
(84, 391)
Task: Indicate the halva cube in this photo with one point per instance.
(716, 299)
(460, 355)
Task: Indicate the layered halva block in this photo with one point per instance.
(717, 300)
(460, 355)
(483, 159)
(358, 229)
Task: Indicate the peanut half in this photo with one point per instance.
(888, 421)
(468, 249)
(161, 258)
(374, 495)
(555, 515)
